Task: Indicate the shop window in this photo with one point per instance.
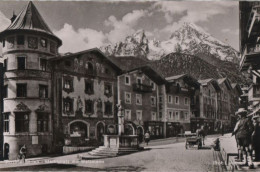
(139, 115)
(6, 122)
(89, 106)
(20, 40)
(153, 101)
(138, 99)
(108, 90)
(89, 87)
(21, 122)
(21, 90)
(43, 64)
(127, 98)
(42, 122)
(108, 108)
(68, 84)
(127, 80)
(127, 114)
(20, 63)
(43, 42)
(43, 91)
(5, 91)
(67, 105)
(33, 42)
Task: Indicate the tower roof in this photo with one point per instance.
(29, 19)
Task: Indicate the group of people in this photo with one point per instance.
(247, 134)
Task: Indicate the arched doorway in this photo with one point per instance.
(6, 151)
(79, 132)
(129, 129)
(100, 131)
(140, 133)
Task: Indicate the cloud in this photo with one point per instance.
(125, 26)
(4, 22)
(78, 40)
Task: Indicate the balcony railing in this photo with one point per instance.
(253, 18)
(249, 49)
(142, 88)
(254, 92)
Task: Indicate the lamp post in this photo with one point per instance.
(120, 116)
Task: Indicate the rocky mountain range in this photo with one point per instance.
(189, 39)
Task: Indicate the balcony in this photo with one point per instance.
(253, 22)
(142, 88)
(250, 56)
(254, 92)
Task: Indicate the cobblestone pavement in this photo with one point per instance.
(170, 157)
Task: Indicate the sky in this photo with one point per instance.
(87, 24)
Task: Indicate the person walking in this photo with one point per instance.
(244, 132)
(256, 138)
(147, 137)
(23, 152)
(240, 155)
(201, 133)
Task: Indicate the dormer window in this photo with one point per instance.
(20, 40)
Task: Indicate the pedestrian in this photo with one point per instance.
(244, 132)
(201, 133)
(147, 137)
(240, 155)
(222, 129)
(23, 152)
(256, 138)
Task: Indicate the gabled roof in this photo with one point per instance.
(205, 82)
(127, 63)
(29, 19)
(96, 50)
(186, 78)
(226, 81)
(151, 73)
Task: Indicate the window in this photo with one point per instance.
(89, 68)
(21, 90)
(43, 64)
(52, 47)
(170, 114)
(160, 114)
(169, 99)
(20, 63)
(6, 122)
(108, 90)
(43, 42)
(186, 101)
(42, 122)
(108, 108)
(21, 122)
(153, 116)
(127, 98)
(153, 101)
(89, 106)
(127, 114)
(5, 64)
(68, 84)
(10, 42)
(138, 99)
(67, 105)
(177, 115)
(127, 80)
(186, 115)
(43, 91)
(153, 85)
(176, 100)
(181, 115)
(89, 87)
(139, 80)
(139, 115)
(20, 40)
(5, 91)
(160, 99)
(67, 63)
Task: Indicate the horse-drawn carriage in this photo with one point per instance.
(193, 140)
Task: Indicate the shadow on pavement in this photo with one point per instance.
(71, 167)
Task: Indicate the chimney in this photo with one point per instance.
(13, 18)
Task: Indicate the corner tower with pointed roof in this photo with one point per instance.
(28, 44)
